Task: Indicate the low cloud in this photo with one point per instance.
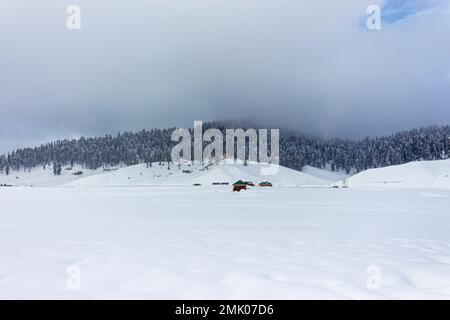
(308, 65)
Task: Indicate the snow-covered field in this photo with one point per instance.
(161, 240)
(204, 242)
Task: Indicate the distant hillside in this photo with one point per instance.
(296, 150)
(419, 174)
(163, 174)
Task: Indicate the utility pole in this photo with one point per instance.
(345, 183)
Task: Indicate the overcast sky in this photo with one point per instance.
(311, 65)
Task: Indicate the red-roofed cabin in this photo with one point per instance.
(239, 185)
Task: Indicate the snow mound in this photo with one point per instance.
(165, 174)
(420, 174)
(44, 176)
(283, 177)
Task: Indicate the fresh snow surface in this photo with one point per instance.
(210, 243)
(420, 174)
(138, 232)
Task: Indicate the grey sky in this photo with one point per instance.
(305, 64)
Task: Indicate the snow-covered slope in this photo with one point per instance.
(187, 175)
(420, 174)
(325, 174)
(44, 176)
(165, 174)
(284, 176)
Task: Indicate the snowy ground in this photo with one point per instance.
(208, 242)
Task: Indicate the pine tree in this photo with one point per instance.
(57, 168)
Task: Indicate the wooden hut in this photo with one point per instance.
(265, 184)
(239, 185)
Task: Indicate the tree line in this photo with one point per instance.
(296, 150)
